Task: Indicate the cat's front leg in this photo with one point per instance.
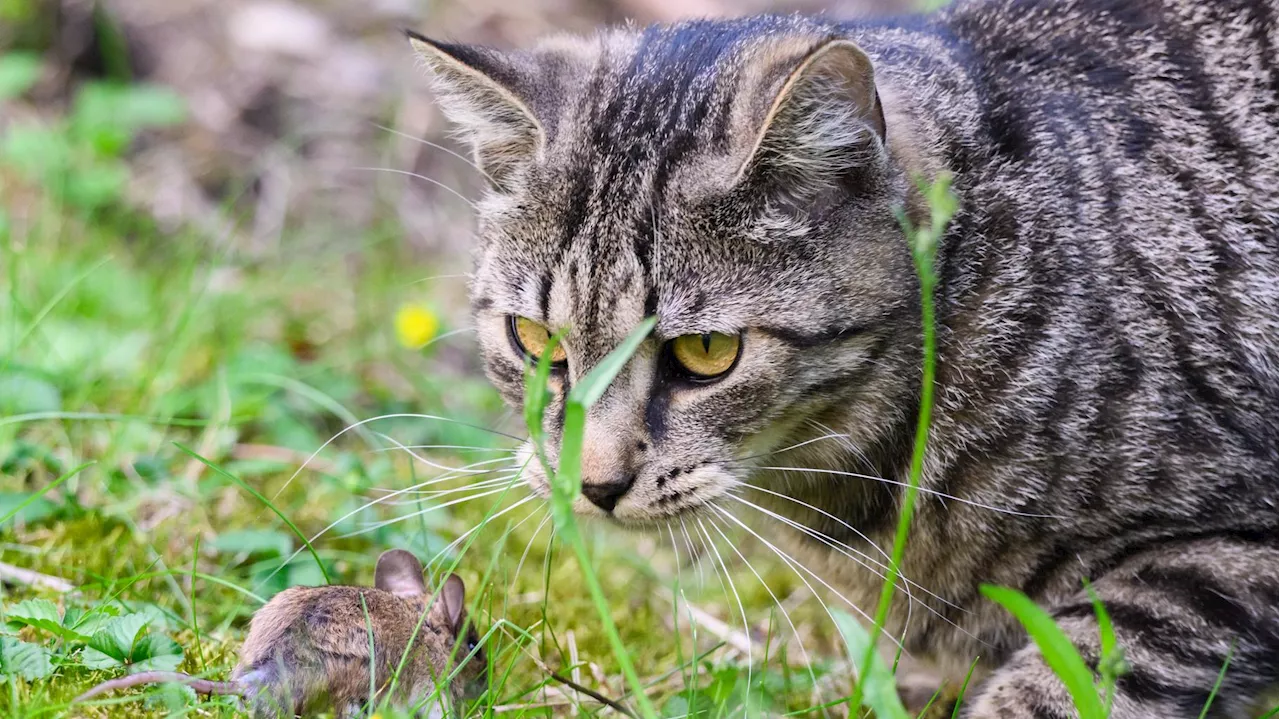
(1178, 613)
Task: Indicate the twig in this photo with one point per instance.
(593, 694)
(18, 575)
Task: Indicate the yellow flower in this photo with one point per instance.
(415, 325)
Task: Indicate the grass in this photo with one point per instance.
(184, 433)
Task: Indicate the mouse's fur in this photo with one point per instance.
(309, 648)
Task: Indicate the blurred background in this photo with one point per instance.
(232, 263)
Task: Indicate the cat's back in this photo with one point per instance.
(1120, 157)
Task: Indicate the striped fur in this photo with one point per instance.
(1107, 304)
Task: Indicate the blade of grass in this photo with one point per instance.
(923, 244)
(1217, 684)
(43, 491)
(1058, 651)
(259, 496)
(1111, 661)
(566, 480)
(964, 687)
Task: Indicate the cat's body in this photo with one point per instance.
(1107, 307)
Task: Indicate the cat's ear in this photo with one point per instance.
(478, 89)
(817, 121)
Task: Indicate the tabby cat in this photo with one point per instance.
(1107, 309)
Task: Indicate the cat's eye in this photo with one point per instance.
(532, 339)
(706, 356)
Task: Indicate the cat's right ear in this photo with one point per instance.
(478, 89)
(809, 115)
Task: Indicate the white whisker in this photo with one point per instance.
(845, 550)
(922, 489)
(462, 537)
(457, 447)
(465, 469)
(804, 654)
(442, 148)
(420, 495)
(789, 560)
(434, 508)
(746, 626)
(363, 422)
(433, 181)
(529, 545)
(797, 445)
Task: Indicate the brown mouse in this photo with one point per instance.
(308, 648)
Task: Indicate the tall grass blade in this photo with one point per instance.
(923, 244)
(266, 502)
(1058, 651)
(43, 491)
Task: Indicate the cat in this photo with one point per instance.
(1106, 310)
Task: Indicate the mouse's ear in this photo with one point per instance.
(400, 573)
(453, 598)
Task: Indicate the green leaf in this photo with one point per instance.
(117, 637)
(41, 614)
(155, 652)
(29, 661)
(879, 693)
(536, 394)
(1058, 651)
(87, 623)
(592, 386)
(93, 659)
(18, 72)
(255, 541)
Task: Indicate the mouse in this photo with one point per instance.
(307, 650)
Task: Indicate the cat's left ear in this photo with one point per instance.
(817, 120)
(482, 91)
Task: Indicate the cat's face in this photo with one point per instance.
(737, 189)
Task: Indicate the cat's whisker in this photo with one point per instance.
(925, 490)
(529, 545)
(433, 181)
(693, 554)
(842, 523)
(423, 141)
(433, 508)
(466, 469)
(845, 441)
(746, 626)
(463, 537)
(453, 276)
(363, 422)
(788, 559)
(453, 447)
(844, 549)
(421, 495)
(804, 654)
(788, 448)
(823, 512)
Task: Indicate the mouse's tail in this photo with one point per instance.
(202, 686)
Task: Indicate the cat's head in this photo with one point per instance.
(732, 179)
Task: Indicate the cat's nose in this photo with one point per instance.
(605, 495)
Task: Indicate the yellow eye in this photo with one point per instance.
(706, 356)
(532, 339)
